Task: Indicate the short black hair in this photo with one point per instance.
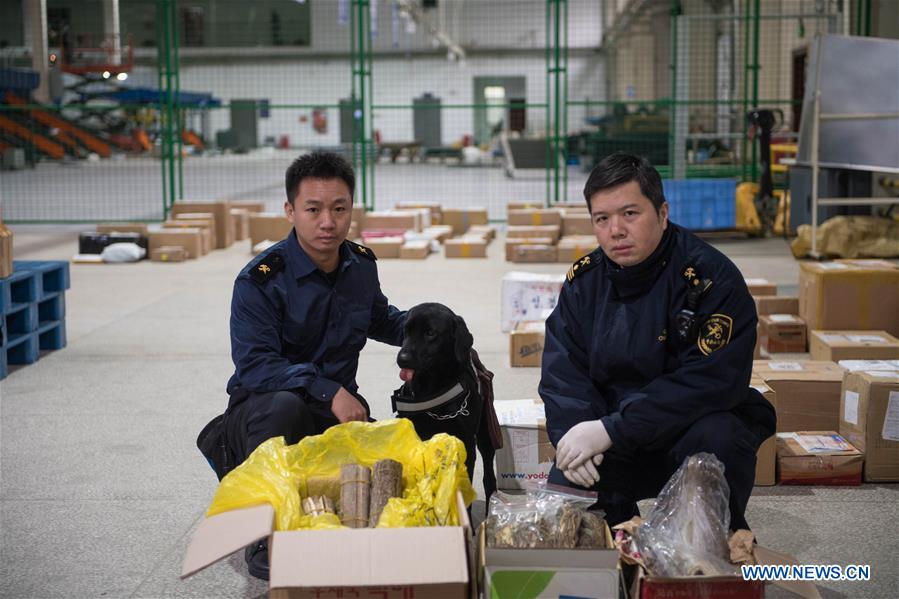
(318, 165)
(620, 168)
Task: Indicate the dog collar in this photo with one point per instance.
(423, 406)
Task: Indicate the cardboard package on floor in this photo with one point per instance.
(869, 419)
(386, 247)
(761, 287)
(528, 296)
(221, 211)
(400, 220)
(782, 333)
(191, 239)
(139, 228)
(248, 205)
(850, 295)
(461, 219)
(353, 233)
(434, 208)
(766, 456)
(524, 206)
(577, 223)
(535, 218)
(869, 365)
(817, 458)
(205, 225)
(808, 393)
(240, 223)
(204, 219)
(359, 216)
(551, 231)
(512, 244)
(507, 573)
(853, 345)
(533, 253)
(439, 233)
(574, 247)
(488, 232)
(415, 250)
(526, 344)
(360, 562)
(526, 454)
(271, 226)
(465, 247)
(776, 304)
(168, 253)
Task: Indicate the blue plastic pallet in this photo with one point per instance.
(21, 287)
(52, 335)
(21, 319)
(52, 307)
(702, 204)
(22, 349)
(53, 274)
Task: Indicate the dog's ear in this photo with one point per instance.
(464, 342)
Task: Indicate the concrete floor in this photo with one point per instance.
(102, 484)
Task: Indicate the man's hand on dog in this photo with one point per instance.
(581, 443)
(346, 407)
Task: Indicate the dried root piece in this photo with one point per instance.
(316, 506)
(591, 533)
(355, 489)
(569, 523)
(386, 482)
(323, 485)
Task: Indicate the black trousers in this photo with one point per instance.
(253, 418)
(627, 478)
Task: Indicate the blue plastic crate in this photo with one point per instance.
(21, 287)
(22, 349)
(52, 335)
(702, 204)
(52, 307)
(22, 319)
(54, 274)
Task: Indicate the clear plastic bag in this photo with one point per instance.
(544, 517)
(686, 532)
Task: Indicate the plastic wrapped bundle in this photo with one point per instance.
(686, 533)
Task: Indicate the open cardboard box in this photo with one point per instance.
(388, 562)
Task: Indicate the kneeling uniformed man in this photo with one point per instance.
(648, 353)
(300, 314)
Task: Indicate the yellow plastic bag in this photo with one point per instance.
(276, 473)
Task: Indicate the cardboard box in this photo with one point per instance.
(394, 219)
(533, 253)
(853, 345)
(140, 228)
(870, 365)
(461, 219)
(353, 233)
(551, 231)
(808, 393)
(526, 454)
(782, 333)
(248, 205)
(535, 218)
(850, 295)
(205, 226)
(506, 573)
(361, 562)
(488, 232)
(204, 219)
(270, 226)
(528, 296)
(817, 458)
(434, 208)
(240, 223)
(5, 251)
(171, 253)
(221, 211)
(524, 206)
(578, 223)
(359, 216)
(512, 244)
(465, 247)
(415, 250)
(776, 304)
(761, 287)
(424, 215)
(526, 344)
(439, 232)
(191, 239)
(869, 419)
(386, 247)
(574, 248)
(766, 456)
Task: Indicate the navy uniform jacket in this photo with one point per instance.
(612, 352)
(290, 328)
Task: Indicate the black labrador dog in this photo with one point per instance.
(445, 388)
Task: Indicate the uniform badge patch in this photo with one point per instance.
(581, 266)
(714, 333)
(268, 267)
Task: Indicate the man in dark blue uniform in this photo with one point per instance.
(300, 314)
(648, 353)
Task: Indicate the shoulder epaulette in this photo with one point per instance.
(361, 250)
(267, 267)
(582, 265)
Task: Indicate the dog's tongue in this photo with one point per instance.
(406, 374)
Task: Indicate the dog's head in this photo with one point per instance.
(436, 346)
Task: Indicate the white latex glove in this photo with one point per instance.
(586, 474)
(583, 441)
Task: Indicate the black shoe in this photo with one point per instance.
(257, 559)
